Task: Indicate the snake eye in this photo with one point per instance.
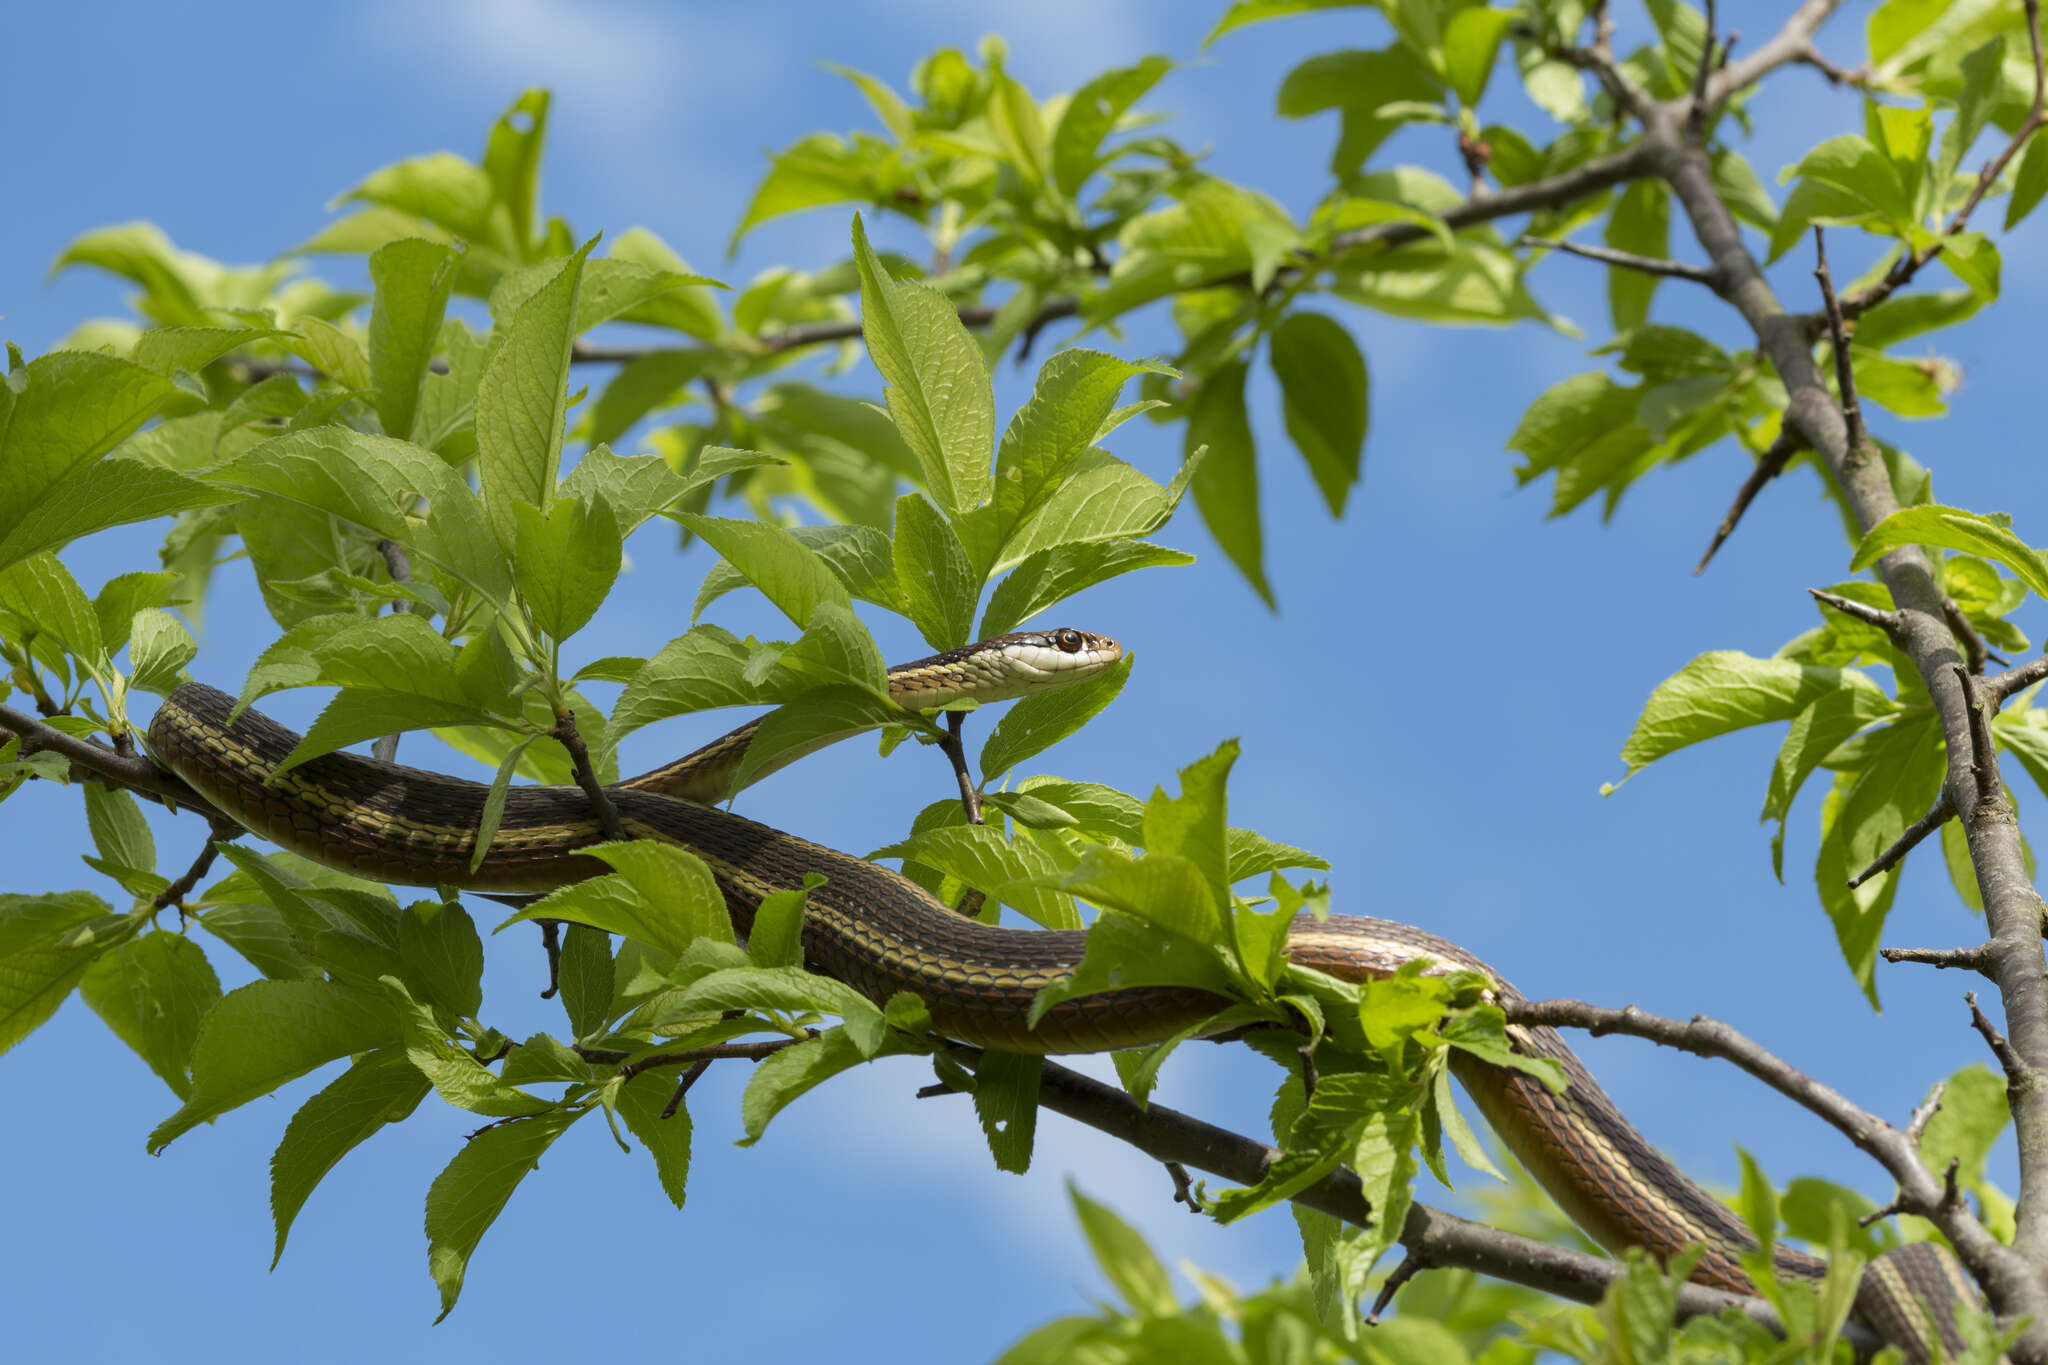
(1069, 641)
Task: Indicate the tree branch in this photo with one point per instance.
(1937, 815)
(1627, 260)
(1911, 263)
(97, 762)
(1437, 1238)
(1920, 1191)
(1769, 466)
(2000, 689)
(399, 565)
(1977, 959)
(1838, 343)
(586, 776)
(1792, 43)
(175, 893)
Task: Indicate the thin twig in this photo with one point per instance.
(1696, 112)
(2000, 689)
(752, 1052)
(586, 776)
(2018, 1074)
(1769, 466)
(1910, 264)
(1443, 1239)
(551, 945)
(1838, 338)
(1924, 1112)
(683, 1083)
(1977, 959)
(1919, 1192)
(385, 747)
(1627, 260)
(973, 900)
(220, 832)
(1837, 75)
(1974, 649)
(1183, 1188)
(1790, 44)
(1411, 1264)
(1983, 752)
(1890, 622)
(1937, 815)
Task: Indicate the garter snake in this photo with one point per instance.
(881, 933)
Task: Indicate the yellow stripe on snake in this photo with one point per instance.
(881, 933)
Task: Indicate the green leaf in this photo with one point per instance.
(1852, 165)
(1323, 394)
(379, 1088)
(112, 492)
(1092, 114)
(2029, 183)
(442, 953)
(269, 1032)
(159, 650)
(665, 1136)
(776, 938)
(1102, 498)
(1472, 38)
(1724, 691)
(1125, 1258)
(1823, 726)
(1016, 872)
(809, 722)
(118, 830)
(1898, 775)
(152, 991)
(1226, 486)
(1166, 890)
(47, 942)
(59, 413)
(791, 1072)
(586, 978)
(494, 802)
(642, 384)
(125, 594)
(1050, 576)
(1006, 1102)
(932, 566)
(440, 187)
(373, 482)
(1073, 397)
(1951, 528)
(791, 574)
(663, 896)
(1039, 721)
(1640, 224)
(522, 398)
(331, 351)
(473, 1189)
(702, 670)
(785, 990)
(937, 387)
(1973, 258)
(47, 600)
(412, 278)
(565, 561)
(1973, 1112)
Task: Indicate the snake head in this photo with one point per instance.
(1006, 667)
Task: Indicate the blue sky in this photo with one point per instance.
(1434, 707)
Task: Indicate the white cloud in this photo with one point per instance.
(620, 76)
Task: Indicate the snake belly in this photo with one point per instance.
(881, 933)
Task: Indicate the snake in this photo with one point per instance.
(880, 932)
